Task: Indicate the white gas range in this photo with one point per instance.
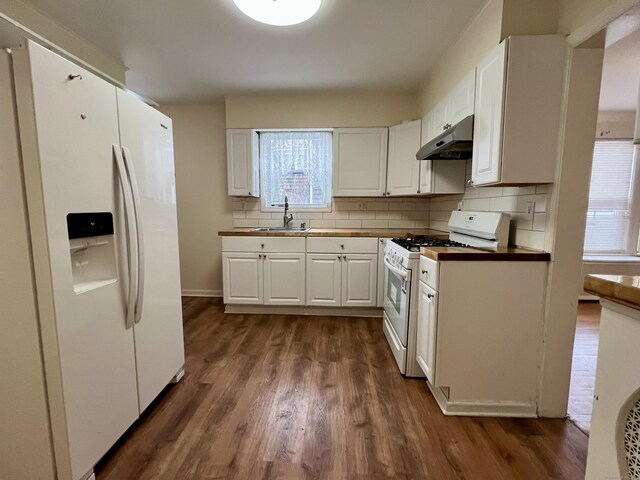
(401, 271)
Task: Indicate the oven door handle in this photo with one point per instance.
(396, 270)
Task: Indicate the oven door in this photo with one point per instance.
(397, 287)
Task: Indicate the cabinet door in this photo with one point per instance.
(359, 280)
(284, 277)
(403, 170)
(460, 102)
(359, 162)
(439, 119)
(425, 183)
(426, 334)
(242, 278)
(487, 127)
(324, 279)
(242, 163)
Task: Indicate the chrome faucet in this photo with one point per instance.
(287, 218)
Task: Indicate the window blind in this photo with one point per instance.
(610, 197)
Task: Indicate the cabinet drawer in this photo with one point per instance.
(342, 245)
(429, 272)
(263, 244)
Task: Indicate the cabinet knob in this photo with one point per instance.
(262, 245)
(469, 182)
(339, 258)
(342, 247)
(249, 193)
(344, 257)
(259, 255)
(446, 126)
(429, 295)
(264, 256)
(424, 272)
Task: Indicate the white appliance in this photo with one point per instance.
(401, 271)
(100, 190)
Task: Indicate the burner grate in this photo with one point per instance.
(414, 244)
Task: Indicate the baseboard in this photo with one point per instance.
(304, 310)
(201, 293)
(482, 409)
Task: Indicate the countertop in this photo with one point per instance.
(624, 289)
(333, 232)
(504, 254)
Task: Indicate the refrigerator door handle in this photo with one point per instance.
(126, 155)
(132, 252)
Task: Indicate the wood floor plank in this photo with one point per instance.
(301, 397)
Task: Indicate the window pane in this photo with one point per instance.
(296, 164)
(610, 196)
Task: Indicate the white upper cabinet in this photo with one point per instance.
(403, 169)
(243, 164)
(457, 105)
(517, 111)
(487, 130)
(460, 102)
(438, 119)
(359, 162)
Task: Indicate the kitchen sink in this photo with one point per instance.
(282, 229)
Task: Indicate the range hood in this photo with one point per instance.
(455, 143)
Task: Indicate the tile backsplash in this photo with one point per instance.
(416, 212)
(351, 213)
(524, 232)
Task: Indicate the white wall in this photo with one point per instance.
(201, 184)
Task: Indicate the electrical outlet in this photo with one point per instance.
(531, 208)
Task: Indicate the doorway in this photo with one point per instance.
(611, 234)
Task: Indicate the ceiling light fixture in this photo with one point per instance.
(279, 12)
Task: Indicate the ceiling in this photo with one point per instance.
(201, 50)
(621, 66)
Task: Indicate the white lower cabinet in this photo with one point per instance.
(337, 271)
(284, 278)
(359, 280)
(263, 270)
(427, 327)
(339, 280)
(324, 279)
(242, 278)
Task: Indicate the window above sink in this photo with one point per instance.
(298, 164)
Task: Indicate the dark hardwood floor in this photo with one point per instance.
(297, 397)
(583, 369)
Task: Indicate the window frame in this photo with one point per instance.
(633, 230)
(293, 208)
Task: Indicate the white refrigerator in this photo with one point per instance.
(98, 177)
